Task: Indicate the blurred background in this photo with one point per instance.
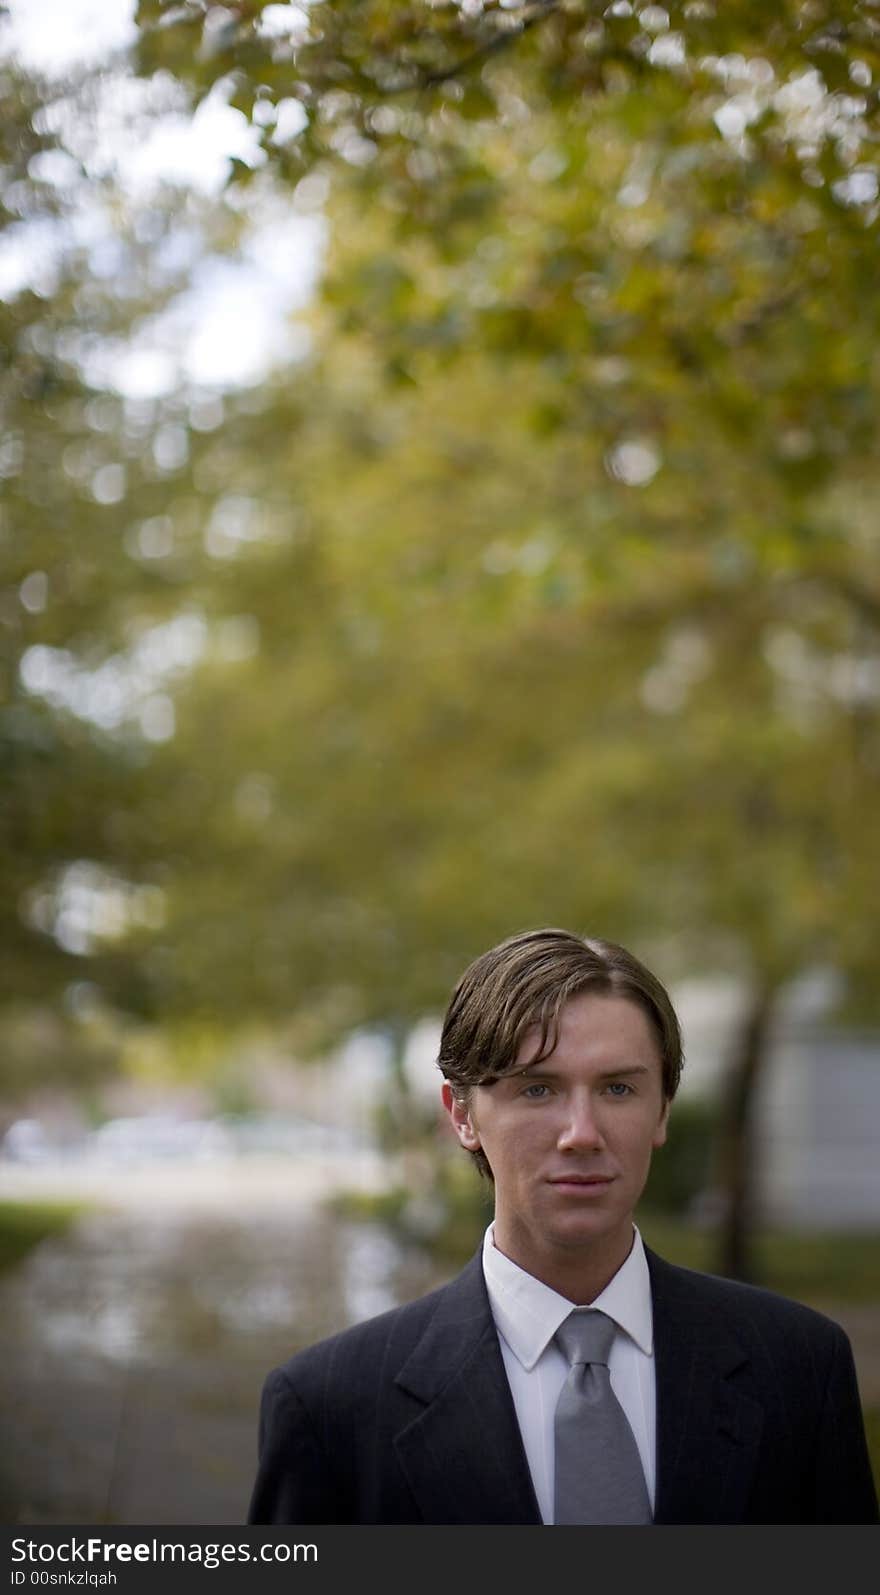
(439, 471)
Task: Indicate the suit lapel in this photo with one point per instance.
(708, 1430)
(462, 1454)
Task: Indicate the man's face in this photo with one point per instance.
(569, 1140)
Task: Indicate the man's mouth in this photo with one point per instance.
(584, 1180)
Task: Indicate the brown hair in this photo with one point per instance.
(526, 981)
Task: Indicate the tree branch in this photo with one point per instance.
(537, 13)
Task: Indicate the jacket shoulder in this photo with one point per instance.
(737, 1303)
(353, 1355)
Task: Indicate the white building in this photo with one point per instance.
(817, 1107)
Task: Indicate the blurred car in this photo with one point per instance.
(154, 1138)
(26, 1142)
(289, 1135)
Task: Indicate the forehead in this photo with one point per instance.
(596, 1027)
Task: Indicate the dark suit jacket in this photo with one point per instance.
(408, 1418)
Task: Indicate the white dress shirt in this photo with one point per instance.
(527, 1315)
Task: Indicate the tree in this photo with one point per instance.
(547, 582)
(660, 225)
(86, 605)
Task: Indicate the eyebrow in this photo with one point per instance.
(606, 1074)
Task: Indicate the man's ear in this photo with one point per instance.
(462, 1121)
(659, 1136)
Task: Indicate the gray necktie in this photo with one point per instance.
(599, 1477)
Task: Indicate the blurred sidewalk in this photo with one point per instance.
(133, 1350)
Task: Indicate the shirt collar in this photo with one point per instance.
(528, 1313)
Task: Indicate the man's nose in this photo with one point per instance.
(581, 1129)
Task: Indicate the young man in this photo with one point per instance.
(567, 1375)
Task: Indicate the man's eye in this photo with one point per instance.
(619, 1088)
(535, 1092)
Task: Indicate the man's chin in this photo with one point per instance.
(583, 1229)
(588, 1225)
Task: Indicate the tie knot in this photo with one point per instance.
(586, 1336)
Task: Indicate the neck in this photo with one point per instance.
(578, 1274)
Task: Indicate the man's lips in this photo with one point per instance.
(581, 1179)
